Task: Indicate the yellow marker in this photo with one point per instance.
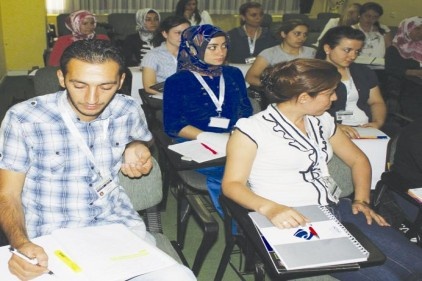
(62, 256)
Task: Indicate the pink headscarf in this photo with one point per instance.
(73, 23)
(408, 48)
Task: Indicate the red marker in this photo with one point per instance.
(209, 148)
(313, 232)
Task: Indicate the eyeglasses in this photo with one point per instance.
(350, 50)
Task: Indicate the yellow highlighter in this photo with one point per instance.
(64, 258)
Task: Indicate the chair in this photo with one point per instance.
(46, 81)
(340, 172)
(191, 193)
(145, 194)
(123, 24)
(390, 191)
(326, 16)
(292, 16)
(189, 186)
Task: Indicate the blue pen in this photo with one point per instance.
(33, 261)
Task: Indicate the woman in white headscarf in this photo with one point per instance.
(136, 45)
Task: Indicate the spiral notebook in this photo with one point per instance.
(323, 242)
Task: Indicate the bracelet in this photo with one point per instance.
(361, 202)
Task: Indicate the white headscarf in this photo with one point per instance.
(141, 15)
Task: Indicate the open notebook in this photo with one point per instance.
(106, 253)
(208, 146)
(323, 242)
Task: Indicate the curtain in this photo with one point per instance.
(131, 6)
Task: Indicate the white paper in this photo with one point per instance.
(196, 150)
(106, 253)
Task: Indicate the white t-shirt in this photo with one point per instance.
(287, 168)
(205, 19)
(374, 42)
(276, 54)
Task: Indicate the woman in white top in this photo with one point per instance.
(350, 16)
(277, 160)
(293, 34)
(189, 10)
(161, 62)
(378, 36)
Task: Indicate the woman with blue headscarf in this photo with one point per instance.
(204, 95)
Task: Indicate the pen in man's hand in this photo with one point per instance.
(33, 261)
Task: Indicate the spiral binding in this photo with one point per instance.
(351, 237)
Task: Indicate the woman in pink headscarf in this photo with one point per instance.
(403, 64)
(405, 56)
(82, 24)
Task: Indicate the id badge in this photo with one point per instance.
(104, 187)
(250, 60)
(219, 122)
(333, 188)
(342, 115)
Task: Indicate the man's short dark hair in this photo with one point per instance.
(92, 51)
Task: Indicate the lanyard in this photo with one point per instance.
(77, 135)
(251, 41)
(217, 102)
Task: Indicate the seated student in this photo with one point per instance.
(377, 36)
(204, 95)
(293, 34)
(161, 62)
(359, 101)
(135, 46)
(57, 150)
(350, 16)
(403, 61)
(248, 40)
(82, 24)
(189, 10)
(277, 160)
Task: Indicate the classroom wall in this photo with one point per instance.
(3, 69)
(23, 25)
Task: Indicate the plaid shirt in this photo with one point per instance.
(59, 187)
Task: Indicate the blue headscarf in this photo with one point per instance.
(192, 48)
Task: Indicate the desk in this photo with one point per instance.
(376, 151)
(240, 215)
(136, 82)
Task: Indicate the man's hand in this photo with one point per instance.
(136, 160)
(25, 270)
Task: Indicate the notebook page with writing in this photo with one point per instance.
(307, 247)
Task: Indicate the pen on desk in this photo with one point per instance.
(373, 137)
(33, 261)
(209, 148)
(313, 232)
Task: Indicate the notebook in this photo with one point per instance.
(208, 146)
(323, 242)
(107, 253)
(159, 87)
